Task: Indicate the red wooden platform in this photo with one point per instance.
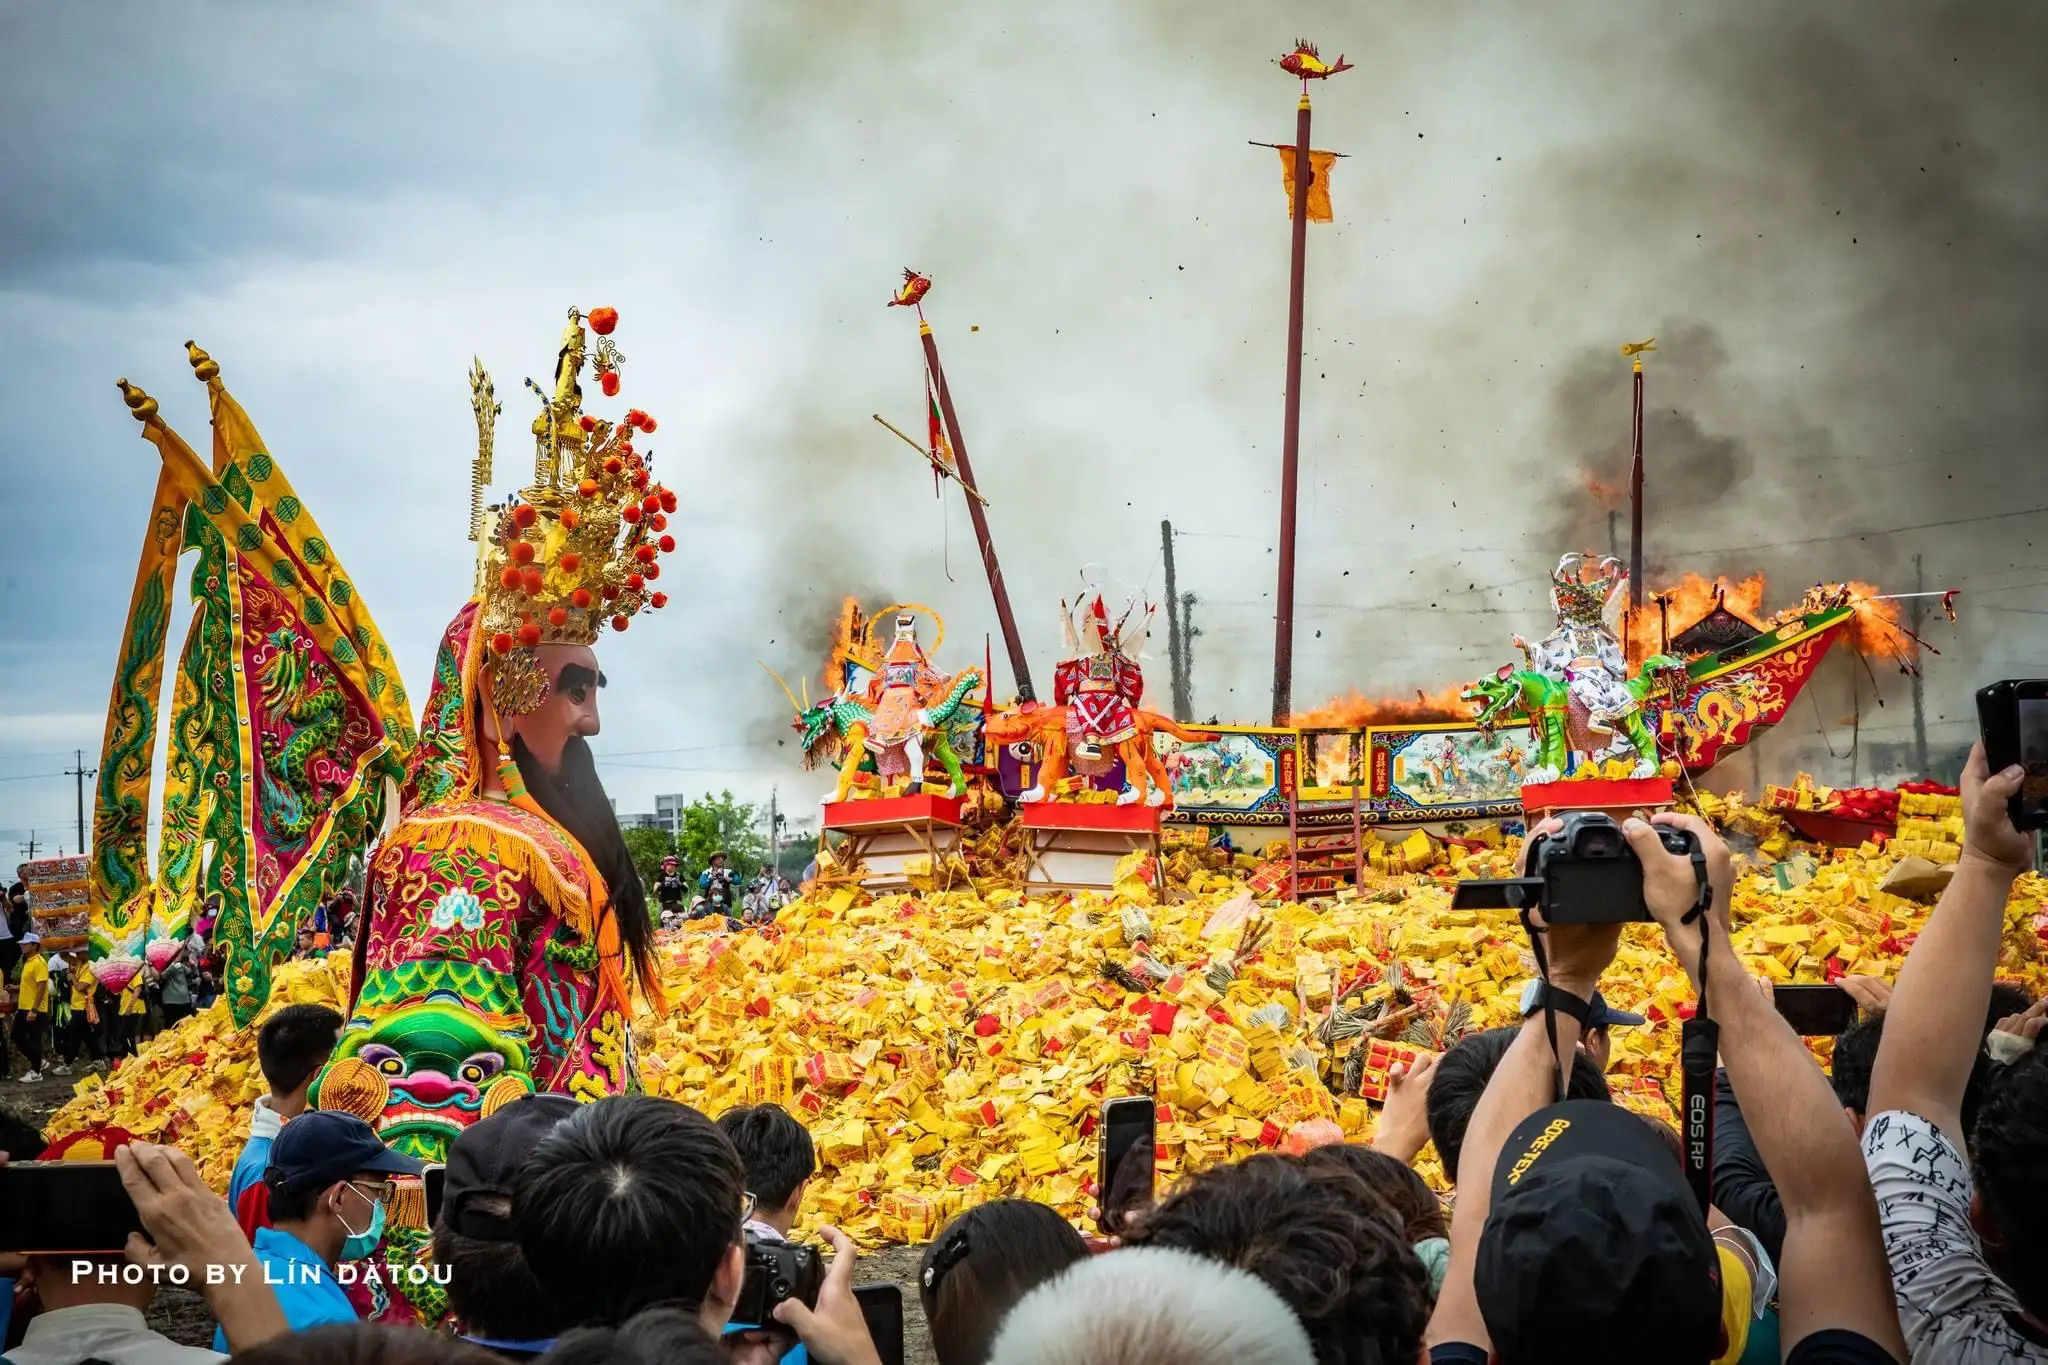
(892, 810)
(1132, 819)
(1619, 797)
(886, 836)
(1075, 846)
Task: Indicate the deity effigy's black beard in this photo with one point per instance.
(574, 798)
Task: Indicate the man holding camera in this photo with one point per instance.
(715, 884)
(1578, 1236)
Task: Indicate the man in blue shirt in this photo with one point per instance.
(290, 1049)
(329, 1180)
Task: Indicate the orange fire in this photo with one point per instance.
(1607, 496)
(845, 639)
(1875, 628)
(1358, 710)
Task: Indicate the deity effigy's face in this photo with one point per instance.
(570, 710)
(421, 1075)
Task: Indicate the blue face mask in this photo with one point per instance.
(358, 1245)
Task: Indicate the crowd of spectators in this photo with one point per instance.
(1884, 1212)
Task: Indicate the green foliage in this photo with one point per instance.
(797, 852)
(649, 847)
(712, 823)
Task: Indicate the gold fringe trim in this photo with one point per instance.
(508, 846)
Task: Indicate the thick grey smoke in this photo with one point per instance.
(1828, 215)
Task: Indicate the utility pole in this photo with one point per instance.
(1176, 645)
(1918, 612)
(80, 772)
(1187, 649)
(28, 850)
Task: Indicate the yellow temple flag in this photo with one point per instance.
(1319, 164)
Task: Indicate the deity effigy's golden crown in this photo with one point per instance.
(580, 547)
(1581, 586)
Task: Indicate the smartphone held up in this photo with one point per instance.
(1129, 1153)
(2013, 717)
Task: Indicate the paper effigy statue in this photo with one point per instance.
(502, 919)
(1096, 720)
(1574, 689)
(890, 713)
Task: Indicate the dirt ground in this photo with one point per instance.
(182, 1315)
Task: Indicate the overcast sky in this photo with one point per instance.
(1830, 215)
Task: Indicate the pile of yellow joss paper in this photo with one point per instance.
(950, 1046)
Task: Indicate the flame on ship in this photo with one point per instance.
(1874, 630)
(845, 641)
(1357, 710)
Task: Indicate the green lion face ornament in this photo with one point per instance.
(422, 1074)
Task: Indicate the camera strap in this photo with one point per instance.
(1700, 1044)
(1549, 999)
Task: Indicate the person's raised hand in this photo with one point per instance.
(1989, 839)
(189, 1224)
(833, 1333)
(2026, 1025)
(1404, 1122)
(1872, 994)
(1670, 885)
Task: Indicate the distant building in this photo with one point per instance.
(667, 815)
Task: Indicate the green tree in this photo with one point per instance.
(722, 822)
(796, 855)
(649, 847)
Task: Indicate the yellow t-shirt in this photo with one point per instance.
(1735, 1304)
(33, 993)
(131, 998)
(81, 987)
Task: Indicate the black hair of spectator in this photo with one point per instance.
(364, 1343)
(295, 1206)
(2008, 1147)
(775, 1149)
(1461, 1077)
(659, 1336)
(20, 1139)
(631, 1202)
(1406, 1193)
(2006, 998)
(294, 1043)
(1320, 1239)
(1855, 1053)
(981, 1264)
(491, 1290)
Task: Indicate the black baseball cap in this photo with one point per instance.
(485, 1158)
(1594, 1246)
(324, 1145)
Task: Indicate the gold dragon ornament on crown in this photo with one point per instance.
(580, 548)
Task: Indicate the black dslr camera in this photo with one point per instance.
(776, 1271)
(1586, 873)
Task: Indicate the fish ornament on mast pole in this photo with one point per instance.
(911, 295)
(1306, 63)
